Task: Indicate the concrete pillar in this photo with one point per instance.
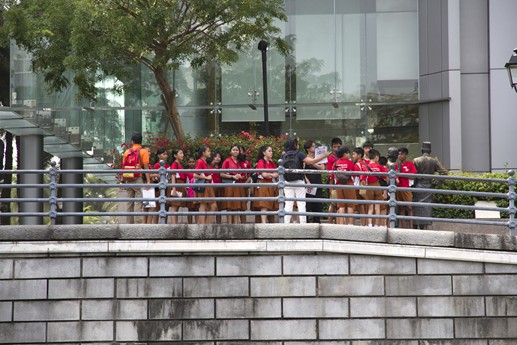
(31, 158)
(73, 163)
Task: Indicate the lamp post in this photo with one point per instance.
(263, 46)
(511, 66)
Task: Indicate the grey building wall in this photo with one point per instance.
(503, 104)
(257, 284)
(463, 48)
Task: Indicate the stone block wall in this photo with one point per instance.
(172, 291)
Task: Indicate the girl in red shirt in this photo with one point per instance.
(180, 192)
(214, 162)
(161, 155)
(191, 205)
(232, 177)
(205, 205)
(265, 161)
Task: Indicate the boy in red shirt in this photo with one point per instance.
(336, 144)
(373, 181)
(360, 165)
(405, 167)
(344, 164)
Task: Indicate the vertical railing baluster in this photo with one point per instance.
(392, 189)
(281, 194)
(163, 190)
(511, 202)
(53, 193)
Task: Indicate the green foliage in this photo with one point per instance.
(470, 186)
(97, 38)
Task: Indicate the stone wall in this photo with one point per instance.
(255, 284)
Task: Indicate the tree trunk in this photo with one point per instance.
(173, 115)
(5, 207)
(169, 100)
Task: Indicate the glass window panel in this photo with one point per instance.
(242, 85)
(315, 56)
(396, 5)
(397, 50)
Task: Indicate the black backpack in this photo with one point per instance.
(292, 161)
(340, 177)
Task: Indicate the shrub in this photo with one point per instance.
(471, 186)
(219, 143)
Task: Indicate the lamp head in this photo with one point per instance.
(263, 45)
(511, 66)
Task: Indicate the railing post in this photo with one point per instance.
(163, 190)
(53, 193)
(281, 194)
(392, 189)
(511, 202)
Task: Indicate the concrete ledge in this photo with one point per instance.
(421, 237)
(353, 233)
(168, 236)
(489, 242)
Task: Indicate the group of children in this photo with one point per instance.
(360, 159)
(366, 159)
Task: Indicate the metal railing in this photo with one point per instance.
(392, 216)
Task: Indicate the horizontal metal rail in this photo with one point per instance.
(392, 205)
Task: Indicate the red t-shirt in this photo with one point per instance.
(229, 165)
(361, 166)
(263, 164)
(406, 168)
(344, 164)
(216, 178)
(201, 164)
(330, 164)
(374, 167)
(178, 166)
(245, 165)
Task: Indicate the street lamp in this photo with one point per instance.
(511, 66)
(263, 46)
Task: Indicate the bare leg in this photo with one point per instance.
(340, 220)
(173, 219)
(350, 220)
(263, 217)
(378, 221)
(213, 208)
(370, 212)
(202, 218)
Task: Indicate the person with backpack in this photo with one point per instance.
(344, 164)
(294, 159)
(316, 192)
(134, 158)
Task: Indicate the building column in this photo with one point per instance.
(73, 163)
(31, 158)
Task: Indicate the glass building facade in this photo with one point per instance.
(353, 73)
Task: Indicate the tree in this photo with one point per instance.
(99, 38)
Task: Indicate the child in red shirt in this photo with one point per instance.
(344, 164)
(376, 195)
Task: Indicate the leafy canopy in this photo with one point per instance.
(97, 38)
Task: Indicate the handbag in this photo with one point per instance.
(197, 185)
(362, 192)
(227, 180)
